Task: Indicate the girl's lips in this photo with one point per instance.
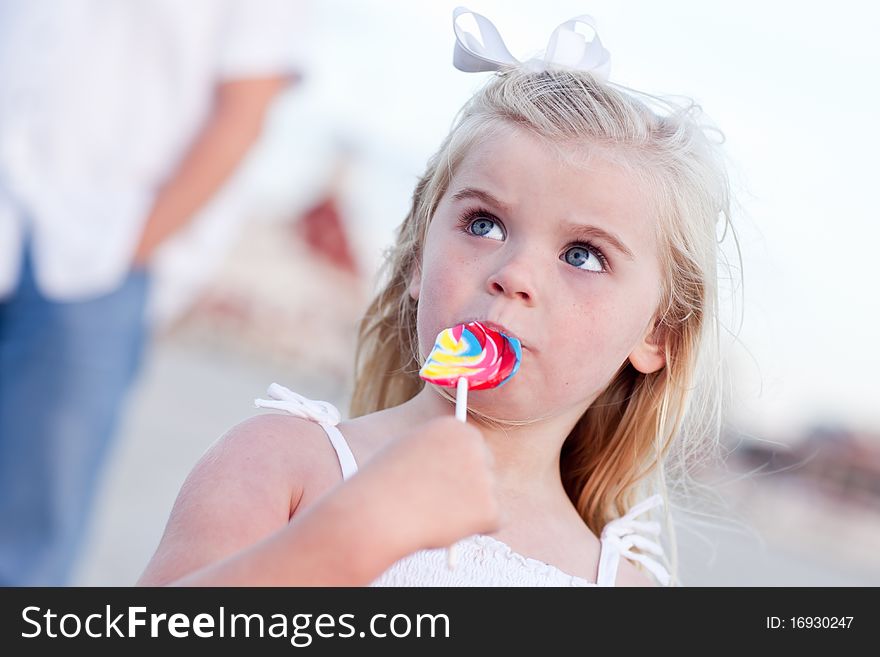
(500, 328)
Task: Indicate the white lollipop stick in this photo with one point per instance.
(461, 391)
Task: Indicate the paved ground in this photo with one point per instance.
(190, 394)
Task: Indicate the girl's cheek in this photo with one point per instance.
(452, 271)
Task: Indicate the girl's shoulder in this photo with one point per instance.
(283, 447)
(277, 435)
(304, 436)
(364, 435)
(629, 574)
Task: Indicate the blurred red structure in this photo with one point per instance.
(322, 228)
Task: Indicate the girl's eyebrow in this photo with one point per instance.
(482, 195)
(581, 231)
(587, 232)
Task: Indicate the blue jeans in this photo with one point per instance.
(64, 371)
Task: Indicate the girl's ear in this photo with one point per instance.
(649, 356)
(415, 283)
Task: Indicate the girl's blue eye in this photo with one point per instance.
(579, 255)
(482, 226)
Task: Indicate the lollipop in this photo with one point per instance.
(471, 356)
(483, 357)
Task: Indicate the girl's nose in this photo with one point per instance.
(513, 279)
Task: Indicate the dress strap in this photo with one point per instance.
(324, 413)
(619, 537)
(284, 399)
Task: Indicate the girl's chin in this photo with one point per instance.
(501, 404)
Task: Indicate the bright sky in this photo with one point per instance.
(791, 84)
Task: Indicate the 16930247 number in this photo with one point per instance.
(809, 622)
(821, 622)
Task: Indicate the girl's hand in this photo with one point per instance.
(435, 485)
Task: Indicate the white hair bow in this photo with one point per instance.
(567, 48)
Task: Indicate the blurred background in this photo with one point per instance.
(331, 176)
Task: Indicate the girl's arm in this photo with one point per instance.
(328, 544)
(231, 523)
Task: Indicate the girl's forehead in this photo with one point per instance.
(506, 151)
(579, 179)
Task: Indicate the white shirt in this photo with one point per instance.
(99, 101)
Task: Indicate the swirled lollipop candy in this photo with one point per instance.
(471, 356)
(481, 356)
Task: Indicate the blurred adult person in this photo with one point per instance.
(120, 125)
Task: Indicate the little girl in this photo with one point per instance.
(564, 211)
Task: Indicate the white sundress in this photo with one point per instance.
(481, 559)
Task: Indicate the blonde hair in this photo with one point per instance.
(644, 432)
